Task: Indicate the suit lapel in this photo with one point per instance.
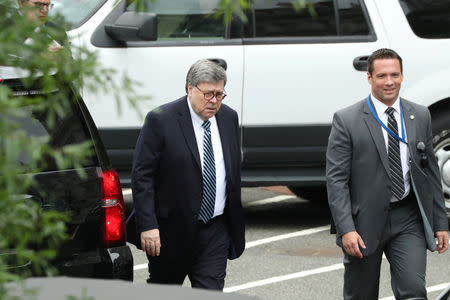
(225, 141)
(377, 136)
(185, 122)
(410, 124)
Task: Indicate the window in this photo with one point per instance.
(75, 12)
(66, 131)
(278, 18)
(428, 19)
(351, 18)
(186, 19)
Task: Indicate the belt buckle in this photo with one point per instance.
(395, 204)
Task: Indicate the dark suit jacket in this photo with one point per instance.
(358, 182)
(167, 177)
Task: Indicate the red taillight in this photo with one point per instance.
(113, 207)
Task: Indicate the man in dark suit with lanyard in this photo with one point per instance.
(186, 184)
(384, 186)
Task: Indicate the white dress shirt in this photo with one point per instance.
(218, 156)
(380, 108)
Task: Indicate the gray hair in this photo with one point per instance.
(205, 70)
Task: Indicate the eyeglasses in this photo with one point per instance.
(41, 5)
(209, 95)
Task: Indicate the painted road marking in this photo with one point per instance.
(261, 241)
(275, 199)
(126, 192)
(306, 273)
(268, 240)
(286, 236)
(283, 278)
(140, 267)
(288, 276)
(434, 288)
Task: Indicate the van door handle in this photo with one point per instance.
(360, 63)
(221, 62)
(27, 197)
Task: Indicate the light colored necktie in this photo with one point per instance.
(209, 176)
(395, 164)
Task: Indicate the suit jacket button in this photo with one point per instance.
(195, 217)
(386, 208)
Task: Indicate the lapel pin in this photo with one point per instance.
(411, 117)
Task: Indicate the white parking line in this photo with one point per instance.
(268, 200)
(261, 241)
(276, 199)
(283, 278)
(286, 236)
(280, 198)
(140, 267)
(268, 240)
(434, 288)
(126, 192)
(335, 267)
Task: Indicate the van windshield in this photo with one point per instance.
(75, 12)
(186, 19)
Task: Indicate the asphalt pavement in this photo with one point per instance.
(290, 253)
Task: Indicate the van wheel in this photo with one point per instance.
(441, 144)
(315, 194)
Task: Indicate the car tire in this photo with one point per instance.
(441, 145)
(315, 194)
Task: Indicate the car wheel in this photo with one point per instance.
(441, 144)
(316, 194)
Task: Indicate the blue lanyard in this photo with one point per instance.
(400, 139)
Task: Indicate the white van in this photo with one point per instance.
(289, 71)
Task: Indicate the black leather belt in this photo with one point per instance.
(211, 221)
(405, 201)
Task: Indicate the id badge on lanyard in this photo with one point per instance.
(400, 139)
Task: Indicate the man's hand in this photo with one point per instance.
(442, 241)
(150, 242)
(351, 241)
(54, 48)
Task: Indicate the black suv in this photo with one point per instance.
(97, 236)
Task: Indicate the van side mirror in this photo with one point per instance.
(134, 26)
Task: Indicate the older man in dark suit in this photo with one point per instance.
(186, 184)
(384, 187)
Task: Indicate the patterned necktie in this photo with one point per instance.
(395, 164)
(209, 176)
